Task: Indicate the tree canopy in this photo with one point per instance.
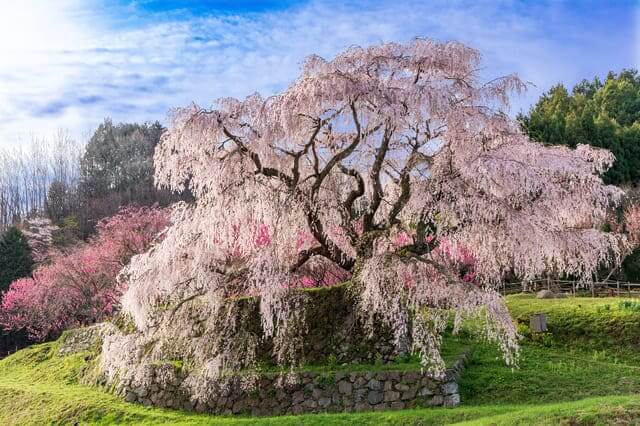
(602, 114)
(115, 170)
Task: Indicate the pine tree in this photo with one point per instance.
(16, 260)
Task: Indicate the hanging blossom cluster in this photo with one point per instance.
(79, 287)
(393, 165)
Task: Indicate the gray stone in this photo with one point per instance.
(391, 396)
(375, 397)
(402, 387)
(410, 394)
(345, 387)
(425, 381)
(436, 400)
(545, 294)
(297, 397)
(451, 400)
(130, 397)
(374, 384)
(411, 376)
(310, 403)
(381, 407)
(360, 395)
(450, 388)
(393, 375)
(425, 391)
(324, 402)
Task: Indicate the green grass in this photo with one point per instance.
(574, 379)
(595, 323)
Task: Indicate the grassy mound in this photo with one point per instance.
(595, 323)
(553, 385)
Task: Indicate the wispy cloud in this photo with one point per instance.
(137, 60)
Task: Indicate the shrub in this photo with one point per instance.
(79, 286)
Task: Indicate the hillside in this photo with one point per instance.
(572, 376)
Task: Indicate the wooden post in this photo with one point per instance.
(618, 286)
(629, 289)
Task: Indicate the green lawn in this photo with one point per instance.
(580, 380)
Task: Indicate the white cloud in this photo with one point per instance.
(72, 64)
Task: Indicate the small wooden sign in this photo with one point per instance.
(538, 323)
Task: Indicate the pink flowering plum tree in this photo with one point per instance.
(79, 287)
(393, 165)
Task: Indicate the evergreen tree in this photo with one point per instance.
(16, 260)
(602, 114)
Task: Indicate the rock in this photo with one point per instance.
(324, 402)
(411, 377)
(391, 396)
(393, 375)
(410, 394)
(402, 387)
(298, 397)
(130, 397)
(452, 400)
(310, 403)
(375, 397)
(436, 400)
(374, 384)
(360, 394)
(450, 388)
(345, 387)
(425, 391)
(545, 294)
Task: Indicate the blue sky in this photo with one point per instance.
(67, 64)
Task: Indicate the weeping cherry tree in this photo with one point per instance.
(389, 165)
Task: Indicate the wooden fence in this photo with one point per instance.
(606, 288)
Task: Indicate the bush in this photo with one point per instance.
(79, 287)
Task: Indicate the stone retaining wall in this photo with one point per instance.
(311, 393)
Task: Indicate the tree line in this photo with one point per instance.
(56, 192)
